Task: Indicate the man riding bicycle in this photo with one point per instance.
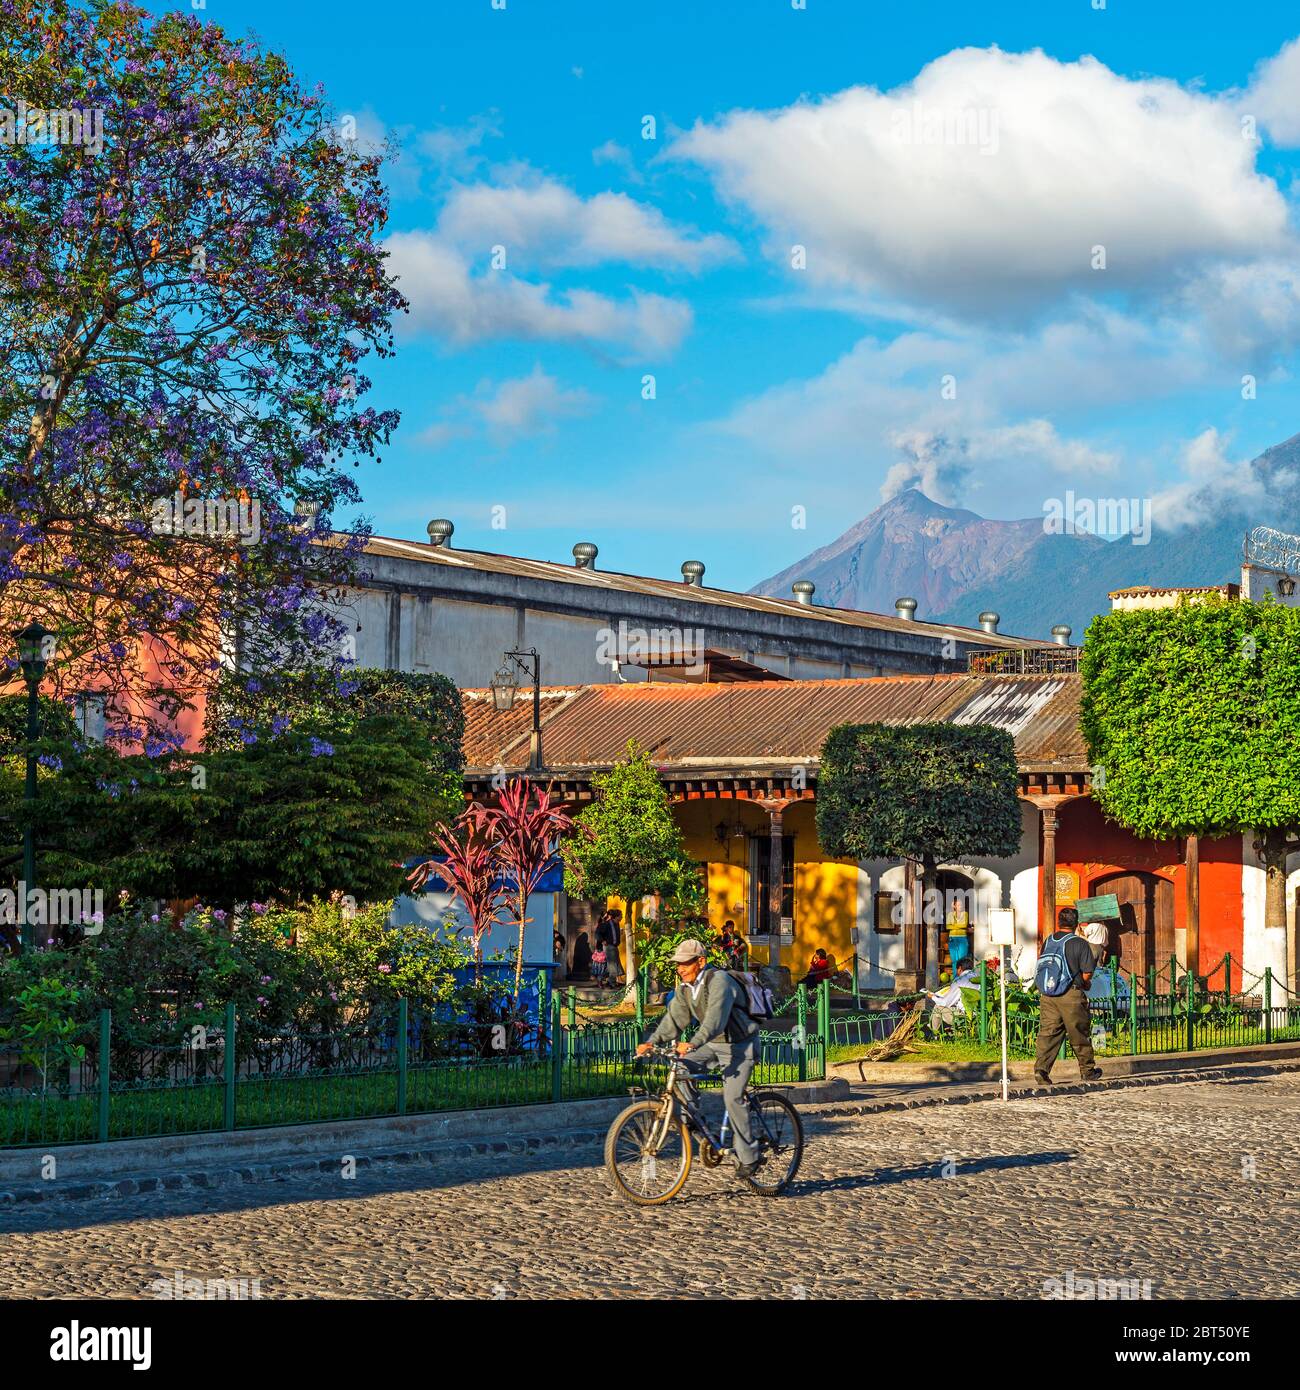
(726, 1038)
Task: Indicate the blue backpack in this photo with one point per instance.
(1053, 975)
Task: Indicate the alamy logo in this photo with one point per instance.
(77, 1343)
(54, 907)
(654, 646)
(1074, 1286)
(1099, 516)
(230, 1290)
(217, 518)
(923, 124)
(27, 125)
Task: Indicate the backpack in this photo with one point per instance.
(1053, 975)
(760, 1003)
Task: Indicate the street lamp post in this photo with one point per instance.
(33, 655)
(505, 685)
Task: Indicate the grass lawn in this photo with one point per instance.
(142, 1111)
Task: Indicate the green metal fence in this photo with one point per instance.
(240, 1079)
(1164, 1010)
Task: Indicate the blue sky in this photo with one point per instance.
(948, 170)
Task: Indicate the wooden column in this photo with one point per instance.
(908, 979)
(1049, 872)
(775, 865)
(1047, 808)
(1192, 865)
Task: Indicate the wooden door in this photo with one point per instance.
(1145, 935)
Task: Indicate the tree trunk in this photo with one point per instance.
(629, 939)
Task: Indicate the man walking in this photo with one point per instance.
(725, 1038)
(1064, 973)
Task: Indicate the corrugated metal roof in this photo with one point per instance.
(744, 723)
(553, 571)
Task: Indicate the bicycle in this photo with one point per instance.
(649, 1145)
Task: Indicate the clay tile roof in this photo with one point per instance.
(747, 724)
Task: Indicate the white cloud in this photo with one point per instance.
(508, 410)
(1273, 97)
(611, 152)
(1251, 313)
(446, 299)
(530, 405)
(1212, 484)
(550, 226)
(981, 187)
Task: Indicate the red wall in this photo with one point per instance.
(1094, 847)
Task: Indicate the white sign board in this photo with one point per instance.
(1002, 926)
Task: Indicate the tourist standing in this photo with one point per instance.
(1064, 972)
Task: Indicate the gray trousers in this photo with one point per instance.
(735, 1061)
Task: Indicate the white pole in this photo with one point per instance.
(1002, 984)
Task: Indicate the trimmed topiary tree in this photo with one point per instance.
(1192, 720)
(921, 792)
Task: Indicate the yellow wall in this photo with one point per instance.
(825, 889)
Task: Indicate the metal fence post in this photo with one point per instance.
(543, 997)
(1191, 1012)
(641, 983)
(573, 1006)
(824, 1009)
(1268, 1004)
(1227, 978)
(557, 1050)
(801, 1023)
(403, 1031)
(984, 1002)
(105, 1072)
(1133, 1012)
(229, 1061)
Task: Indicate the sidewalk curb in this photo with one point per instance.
(866, 1106)
(123, 1168)
(881, 1073)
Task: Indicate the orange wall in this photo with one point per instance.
(1094, 848)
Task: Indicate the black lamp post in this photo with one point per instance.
(33, 656)
(504, 686)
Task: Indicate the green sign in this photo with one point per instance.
(1100, 909)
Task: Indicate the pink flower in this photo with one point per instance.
(385, 969)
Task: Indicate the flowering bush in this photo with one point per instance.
(303, 973)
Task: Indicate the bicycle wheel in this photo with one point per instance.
(641, 1172)
(778, 1133)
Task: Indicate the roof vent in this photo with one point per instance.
(306, 512)
(1061, 634)
(905, 608)
(440, 533)
(693, 572)
(584, 555)
(804, 589)
(989, 620)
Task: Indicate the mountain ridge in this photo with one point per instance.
(957, 564)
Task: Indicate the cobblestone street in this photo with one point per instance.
(1193, 1186)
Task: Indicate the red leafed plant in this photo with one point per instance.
(469, 869)
(524, 828)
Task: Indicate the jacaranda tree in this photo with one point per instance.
(190, 281)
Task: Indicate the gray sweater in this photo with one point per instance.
(716, 1003)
